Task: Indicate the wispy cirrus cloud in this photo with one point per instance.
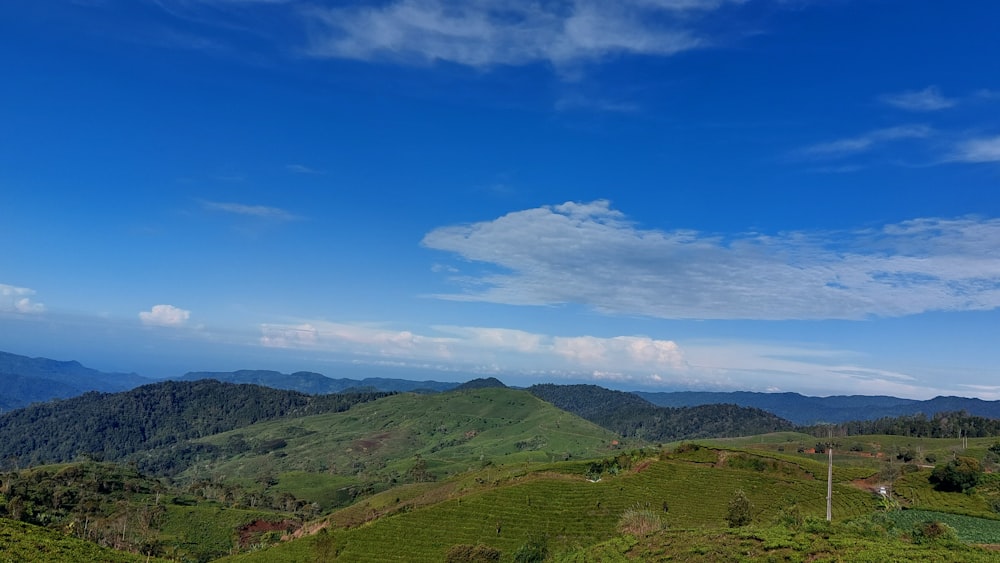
(259, 211)
(15, 299)
(164, 315)
(928, 99)
(302, 169)
(865, 142)
(591, 254)
(982, 149)
(492, 32)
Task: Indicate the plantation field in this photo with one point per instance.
(858, 542)
(206, 531)
(863, 449)
(409, 437)
(969, 529)
(574, 512)
(915, 491)
(20, 542)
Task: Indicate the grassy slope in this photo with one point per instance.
(815, 542)
(24, 542)
(571, 511)
(379, 441)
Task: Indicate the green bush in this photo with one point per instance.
(535, 550)
(958, 475)
(639, 521)
(464, 553)
(934, 532)
(740, 510)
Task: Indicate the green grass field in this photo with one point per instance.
(575, 513)
(380, 442)
(20, 542)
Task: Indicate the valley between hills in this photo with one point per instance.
(205, 469)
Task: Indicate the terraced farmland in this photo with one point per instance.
(573, 512)
(969, 529)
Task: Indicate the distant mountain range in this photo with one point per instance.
(25, 380)
(29, 380)
(803, 410)
(319, 384)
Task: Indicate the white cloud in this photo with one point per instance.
(866, 142)
(260, 211)
(986, 149)
(501, 348)
(624, 361)
(15, 299)
(809, 370)
(493, 32)
(164, 315)
(303, 169)
(928, 99)
(590, 254)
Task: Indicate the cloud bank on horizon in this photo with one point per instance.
(644, 193)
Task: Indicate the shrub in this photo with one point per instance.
(535, 550)
(934, 532)
(464, 553)
(639, 521)
(740, 511)
(686, 447)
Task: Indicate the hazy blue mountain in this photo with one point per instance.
(317, 383)
(805, 410)
(25, 380)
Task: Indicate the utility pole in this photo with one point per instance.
(829, 479)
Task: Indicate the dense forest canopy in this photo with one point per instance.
(114, 426)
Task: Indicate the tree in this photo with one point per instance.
(958, 475)
(740, 511)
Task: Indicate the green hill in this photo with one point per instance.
(402, 438)
(158, 416)
(632, 416)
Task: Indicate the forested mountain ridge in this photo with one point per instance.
(317, 383)
(941, 425)
(634, 417)
(114, 426)
(805, 410)
(27, 380)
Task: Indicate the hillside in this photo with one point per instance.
(113, 426)
(29, 380)
(653, 506)
(402, 438)
(805, 410)
(644, 504)
(631, 416)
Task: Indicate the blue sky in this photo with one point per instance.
(647, 194)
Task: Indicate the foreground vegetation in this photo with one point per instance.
(496, 474)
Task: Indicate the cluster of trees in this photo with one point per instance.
(958, 475)
(158, 418)
(632, 416)
(941, 425)
(89, 500)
